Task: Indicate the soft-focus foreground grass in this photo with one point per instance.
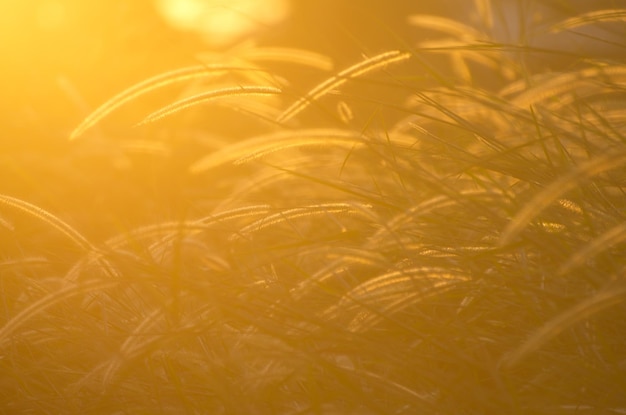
(437, 228)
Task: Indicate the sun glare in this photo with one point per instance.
(221, 22)
(51, 15)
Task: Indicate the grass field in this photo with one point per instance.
(436, 226)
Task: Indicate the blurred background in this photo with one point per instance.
(63, 58)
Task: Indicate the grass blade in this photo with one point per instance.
(361, 68)
(289, 55)
(49, 300)
(158, 81)
(260, 146)
(608, 239)
(607, 298)
(445, 25)
(357, 209)
(596, 16)
(49, 219)
(558, 188)
(207, 97)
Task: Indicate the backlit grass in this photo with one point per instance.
(405, 234)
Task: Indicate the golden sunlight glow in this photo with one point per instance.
(51, 15)
(222, 21)
(312, 206)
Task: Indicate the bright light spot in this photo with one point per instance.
(51, 15)
(222, 21)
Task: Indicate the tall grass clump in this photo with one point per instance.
(435, 229)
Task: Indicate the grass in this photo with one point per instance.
(404, 236)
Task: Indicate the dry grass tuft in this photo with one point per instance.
(435, 239)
